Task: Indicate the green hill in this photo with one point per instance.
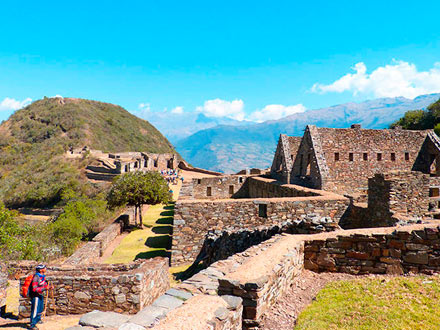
(33, 169)
(421, 119)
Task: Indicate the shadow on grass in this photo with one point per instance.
(164, 230)
(159, 242)
(153, 254)
(165, 221)
(167, 213)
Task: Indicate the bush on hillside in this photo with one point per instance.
(420, 119)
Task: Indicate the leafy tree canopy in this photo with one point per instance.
(138, 188)
(421, 119)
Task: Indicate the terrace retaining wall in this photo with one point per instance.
(119, 288)
(193, 219)
(398, 252)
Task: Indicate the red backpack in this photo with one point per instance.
(26, 286)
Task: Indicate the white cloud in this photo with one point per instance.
(221, 108)
(57, 96)
(397, 79)
(145, 107)
(12, 104)
(275, 111)
(177, 110)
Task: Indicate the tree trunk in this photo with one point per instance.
(140, 215)
(135, 215)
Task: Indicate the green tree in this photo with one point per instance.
(136, 189)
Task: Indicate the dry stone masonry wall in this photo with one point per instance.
(119, 288)
(398, 252)
(93, 250)
(193, 219)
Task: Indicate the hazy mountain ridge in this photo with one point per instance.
(177, 126)
(230, 148)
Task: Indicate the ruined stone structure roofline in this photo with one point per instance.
(321, 163)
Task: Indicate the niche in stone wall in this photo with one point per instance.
(262, 210)
(208, 191)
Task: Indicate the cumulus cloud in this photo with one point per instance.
(397, 79)
(221, 108)
(177, 110)
(145, 107)
(275, 111)
(9, 104)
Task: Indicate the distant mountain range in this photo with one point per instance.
(230, 148)
(177, 126)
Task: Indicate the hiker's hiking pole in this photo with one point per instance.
(45, 304)
(53, 300)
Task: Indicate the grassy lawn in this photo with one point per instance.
(393, 303)
(154, 240)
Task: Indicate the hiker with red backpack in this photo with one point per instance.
(35, 290)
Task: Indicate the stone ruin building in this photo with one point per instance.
(254, 232)
(105, 166)
(342, 159)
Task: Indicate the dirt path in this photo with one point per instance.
(50, 323)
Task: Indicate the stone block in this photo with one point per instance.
(168, 302)
(148, 316)
(98, 319)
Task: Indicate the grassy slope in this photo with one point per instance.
(396, 303)
(33, 171)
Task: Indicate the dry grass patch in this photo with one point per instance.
(376, 303)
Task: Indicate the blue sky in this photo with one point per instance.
(252, 60)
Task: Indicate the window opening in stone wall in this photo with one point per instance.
(406, 155)
(379, 156)
(199, 181)
(393, 157)
(240, 179)
(434, 192)
(350, 156)
(336, 156)
(291, 158)
(208, 191)
(365, 156)
(135, 164)
(155, 163)
(231, 190)
(262, 210)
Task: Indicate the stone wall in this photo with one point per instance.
(404, 193)
(259, 291)
(221, 245)
(260, 187)
(93, 250)
(399, 252)
(3, 284)
(384, 151)
(193, 219)
(220, 187)
(120, 288)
